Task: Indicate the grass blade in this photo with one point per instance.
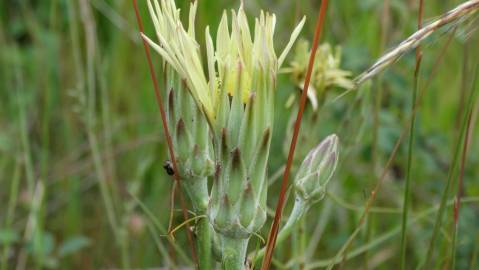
(442, 207)
(410, 146)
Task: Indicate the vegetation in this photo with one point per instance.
(384, 171)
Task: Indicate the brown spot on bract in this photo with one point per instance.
(226, 200)
(217, 171)
(180, 128)
(266, 135)
(224, 143)
(236, 158)
(248, 188)
(196, 150)
(183, 83)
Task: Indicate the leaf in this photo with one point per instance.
(41, 244)
(72, 245)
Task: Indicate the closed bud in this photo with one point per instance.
(317, 169)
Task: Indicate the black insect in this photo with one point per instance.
(168, 166)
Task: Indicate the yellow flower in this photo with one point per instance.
(326, 71)
(236, 61)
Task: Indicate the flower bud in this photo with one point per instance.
(317, 169)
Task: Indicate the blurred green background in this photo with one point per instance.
(79, 126)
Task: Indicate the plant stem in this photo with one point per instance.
(300, 207)
(445, 193)
(408, 176)
(273, 234)
(460, 184)
(474, 255)
(197, 190)
(302, 241)
(11, 207)
(410, 147)
(166, 130)
(234, 253)
(204, 244)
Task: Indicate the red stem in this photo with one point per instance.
(166, 131)
(284, 184)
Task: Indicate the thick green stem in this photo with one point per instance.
(204, 242)
(197, 189)
(234, 253)
(300, 207)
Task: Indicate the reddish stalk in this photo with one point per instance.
(166, 131)
(284, 184)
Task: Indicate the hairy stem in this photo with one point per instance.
(234, 253)
(197, 190)
(204, 244)
(299, 209)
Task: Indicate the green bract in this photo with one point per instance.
(236, 96)
(317, 169)
(191, 140)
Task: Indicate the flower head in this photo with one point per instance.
(236, 61)
(236, 94)
(326, 71)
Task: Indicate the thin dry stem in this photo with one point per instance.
(460, 12)
(279, 207)
(166, 130)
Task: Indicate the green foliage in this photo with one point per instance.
(78, 117)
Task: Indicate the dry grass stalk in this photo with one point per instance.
(461, 12)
